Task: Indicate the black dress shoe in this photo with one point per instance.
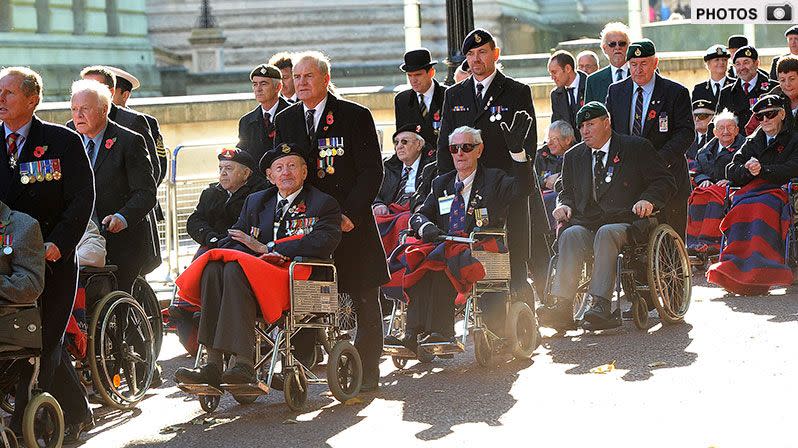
(600, 310)
(391, 340)
(559, 316)
(239, 374)
(207, 374)
(72, 431)
(437, 338)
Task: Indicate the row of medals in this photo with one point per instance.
(329, 152)
(26, 179)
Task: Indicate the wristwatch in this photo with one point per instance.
(270, 246)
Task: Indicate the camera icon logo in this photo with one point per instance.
(779, 13)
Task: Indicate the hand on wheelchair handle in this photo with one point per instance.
(515, 134)
(431, 233)
(643, 208)
(562, 213)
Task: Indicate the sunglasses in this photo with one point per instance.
(618, 43)
(702, 116)
(771, 114)
(465, 147)
(403, 141)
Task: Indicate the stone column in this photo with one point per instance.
(42, 16)
(6, 19)
(79, 17)
(112, 15)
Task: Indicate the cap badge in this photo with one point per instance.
(263, 70)
(748, 53)
(285, 148)
(418, 128)
(638, 52)
(587, 115)
(719, 50)
(477, 38)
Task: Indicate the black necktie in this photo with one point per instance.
(422, 105)
(90, 151)
(598, 171)
(637, 126)
(267, 122)
(619, 74)
(716, 89)
(479, 92)
(279, 228)
(702, 140)
(309, 122)
(399, 197)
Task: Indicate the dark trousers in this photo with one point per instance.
(128, 266)
(229, 309)
(431, 307)
(368, 340)
(57, 374)
(676, 213)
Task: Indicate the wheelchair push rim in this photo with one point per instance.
(669, 274)
(344, 371)
(43, 422)
(121, 350)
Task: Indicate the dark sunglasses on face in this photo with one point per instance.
(403, 141)
(619, 43)
(702, 116)
(771, 114)
(465, 147)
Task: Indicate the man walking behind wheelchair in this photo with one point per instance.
(608, 181)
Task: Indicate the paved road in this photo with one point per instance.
(724, 378)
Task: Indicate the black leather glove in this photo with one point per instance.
(515, 134)
(430, 233)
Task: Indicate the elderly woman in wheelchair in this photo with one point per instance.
(608, 180)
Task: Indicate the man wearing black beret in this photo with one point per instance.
(484, 101)
(658, 109)
(716, 60)
(422, 102)
(405, 171)
(256, 128)
(740, 96)
(792, 44)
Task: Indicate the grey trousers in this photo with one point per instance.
(229, 309)
(576, 244)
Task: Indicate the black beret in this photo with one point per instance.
(476, 38)
(704, 104)
(791, 30)
(641, 49)
(419, 59)
(746, 52)
(410, 127)
(737, 41)
(266, 71)
(238, 155)
(767, 102)
(716, 51)
(589, 111)
(280, 150)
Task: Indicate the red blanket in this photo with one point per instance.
(390, 225)
(705, 212)
(269, 280)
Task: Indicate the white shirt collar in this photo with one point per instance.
(614, 70)
(319, 110)
(647, 87)
(751, 83)
(291, 197)
(605, 149)
(273, 111)
(23, 134)
(485, 82)
(428, 94)
(575, 84)
(414, 165)
(468, 182)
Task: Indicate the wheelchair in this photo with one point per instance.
(20, 343)
(520, 327)
(653, 272)
(313, 305)
(121, 343)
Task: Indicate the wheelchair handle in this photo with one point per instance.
(455, 239)
(318, 261)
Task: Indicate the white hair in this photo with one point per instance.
(476, 134)
(614, 27)
(95, 87)
(590, 53)
(322, 61)
(725, 115)
(564, 128)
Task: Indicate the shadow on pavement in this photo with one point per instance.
(781, 308)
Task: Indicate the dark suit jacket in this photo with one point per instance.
(638, 172)
(546, 164)
(407, 111)
(560, 109)
(253, 137)
(492, 189)
(360, 258)
(160, 149)
(460, 109)
(393, 168)
(711, 164)
(598, 84)
(703, 90)
(319, 240)
(734, 98)
(669, 101)
(137, 122)
(216, 211)
(779, 160)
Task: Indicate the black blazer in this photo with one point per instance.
(703, 90)
(138, 123)
(62, 207)
(493, 189)
(711, 164)
(638, 172)
(407, 111)
(734, 98)
(460, 109)
(253, 137)
(320, 239)
(393, 168)
(216, 211)
(360, 258)
(670, 101)
(779, 160)
(160, 149)
(560, 110)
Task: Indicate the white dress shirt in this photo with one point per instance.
(318, 111)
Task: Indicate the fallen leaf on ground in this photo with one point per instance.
(657, 364)
(352, 401)
(172, 429)
(603, 368)
(290, 421)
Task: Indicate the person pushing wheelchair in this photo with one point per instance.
(608, 181)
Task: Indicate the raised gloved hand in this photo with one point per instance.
(515, 134)
(430, 233)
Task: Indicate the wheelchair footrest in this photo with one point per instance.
(251, 389)
(200, 389)
(439, 349)
(399, 351)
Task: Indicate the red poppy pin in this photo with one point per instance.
(616, 159)
(430, 152)
(764, 85)
(652, 114)
(436, 116)
(301, 208)
(272, 134)
(39, 151)
(780, 148)
(110, 142)
(544, 154)
(330, 118)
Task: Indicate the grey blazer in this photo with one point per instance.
(22, 271)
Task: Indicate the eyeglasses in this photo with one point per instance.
(770, 114)
(465, 147)
(617, 43)
(403, 141)
(702, 116)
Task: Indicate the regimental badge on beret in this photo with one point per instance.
(285, 148)
(418, 128)
(227, 153)
(719, 50)
(748, 52)
(477, 38)
(589, 111)
(638, 52)
(263, 70)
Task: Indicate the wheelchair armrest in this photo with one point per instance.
(95, 270)
(308, 260)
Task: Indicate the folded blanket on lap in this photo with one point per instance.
(704, 215)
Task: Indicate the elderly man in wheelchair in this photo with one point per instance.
(468, 198)
(608, 181)
(233, 283)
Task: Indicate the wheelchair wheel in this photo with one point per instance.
(483, 349)
(209, 403)
(640, 313)
(43, 422)
(521, 330)
(146, 297)
(669, 274)
(121, 355)
(398, 362)
(295, 389)
(344, 371)
(345, 316)
(11, 439)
